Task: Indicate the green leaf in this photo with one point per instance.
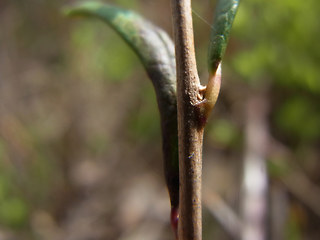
(222, 23)
(156, 52)
(151, 44)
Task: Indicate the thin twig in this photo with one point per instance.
(190, 135)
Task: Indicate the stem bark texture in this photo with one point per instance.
(189, 133)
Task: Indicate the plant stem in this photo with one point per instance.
(189, 132)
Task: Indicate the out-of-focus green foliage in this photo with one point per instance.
(26, 173)
(279, 46)
(277, 167)
(129, 4)
(280, 41)
(144, 122)
(300, 118)
(96, 46)
(13, 212)
(293, 229)
(223, 132)
(13, 207)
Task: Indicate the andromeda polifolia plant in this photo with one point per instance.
(184, 104)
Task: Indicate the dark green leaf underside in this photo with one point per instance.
(139, 33)
(222, 23)
(156, 52)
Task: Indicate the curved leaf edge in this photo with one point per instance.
(156, 51)
(222, 23)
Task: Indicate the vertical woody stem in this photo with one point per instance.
(189, 132)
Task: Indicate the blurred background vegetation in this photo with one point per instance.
(80, 147)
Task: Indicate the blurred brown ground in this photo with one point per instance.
(80, 143)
